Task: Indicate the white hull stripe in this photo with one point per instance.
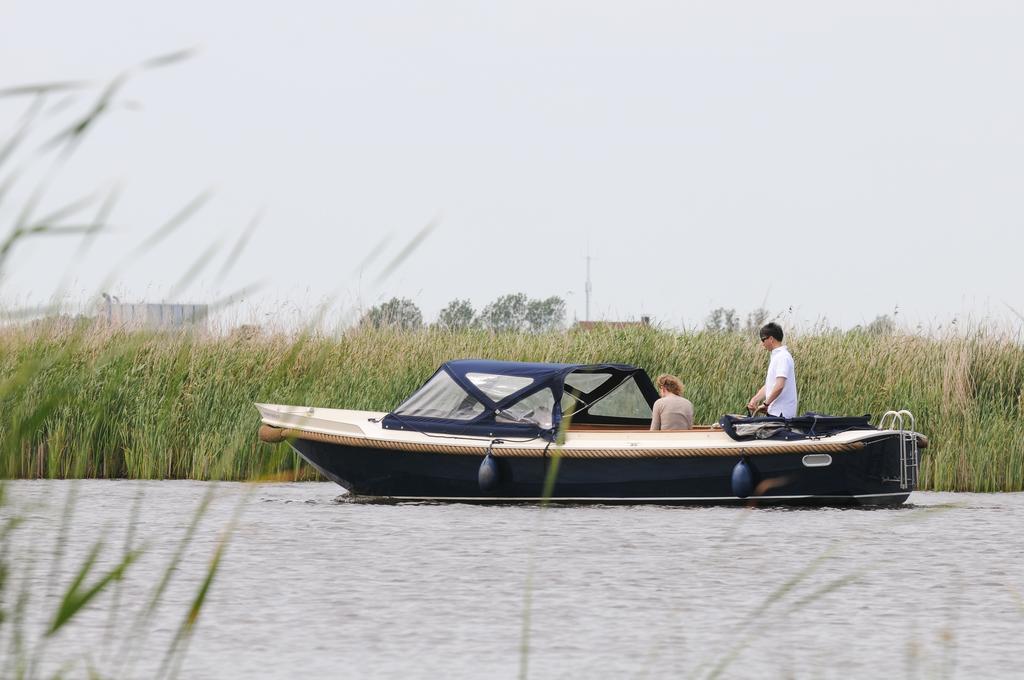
(624, 498)
(729, 449)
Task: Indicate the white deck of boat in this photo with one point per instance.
(362, 424)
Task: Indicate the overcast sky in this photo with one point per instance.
(838, 160)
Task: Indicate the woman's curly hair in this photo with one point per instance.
(670, 383)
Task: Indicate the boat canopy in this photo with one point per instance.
(485, 398)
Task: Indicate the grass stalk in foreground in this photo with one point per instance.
(87, 587)
(550, 479)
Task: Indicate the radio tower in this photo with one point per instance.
(587, 288)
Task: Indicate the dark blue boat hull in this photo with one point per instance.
(868, 476)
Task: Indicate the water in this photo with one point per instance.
(315, 587)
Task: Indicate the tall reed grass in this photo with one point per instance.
(111, 403)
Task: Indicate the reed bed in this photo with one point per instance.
(90, 401)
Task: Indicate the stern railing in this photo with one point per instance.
(909, 455)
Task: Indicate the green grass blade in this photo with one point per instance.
(174, 223)
(374, 253)
(36, 89)
(195, 269)
(170, 58)
(137, 633)
(21, 133)
(69, 139)
(239, 246)
(76, 598)
(408, 250)
(176, 652)
(67, 210)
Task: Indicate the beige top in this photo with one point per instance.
(672, 412)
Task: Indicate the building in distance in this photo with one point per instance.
(153, 315)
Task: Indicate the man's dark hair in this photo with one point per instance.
(771, 329)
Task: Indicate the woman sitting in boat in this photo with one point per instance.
(672, 411)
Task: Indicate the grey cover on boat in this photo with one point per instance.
(807, 426)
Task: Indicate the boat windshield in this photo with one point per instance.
(587, 382)
(535, 409)
(497, 387)
(625, 401)
(441, 397)
(595, 397)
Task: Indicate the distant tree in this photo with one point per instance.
(545, 315)
(456, 316)
(882, 325)
(722, 320)
(755, 320)
(398, 313)
(506, 314)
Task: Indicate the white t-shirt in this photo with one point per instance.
(782, 366)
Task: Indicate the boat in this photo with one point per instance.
(486, 431)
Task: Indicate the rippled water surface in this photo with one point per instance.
(312, 586)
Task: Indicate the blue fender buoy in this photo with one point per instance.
(742, 479)
(488, 476)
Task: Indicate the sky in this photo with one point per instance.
(829, 162)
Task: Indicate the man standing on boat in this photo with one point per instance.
(778, 397)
